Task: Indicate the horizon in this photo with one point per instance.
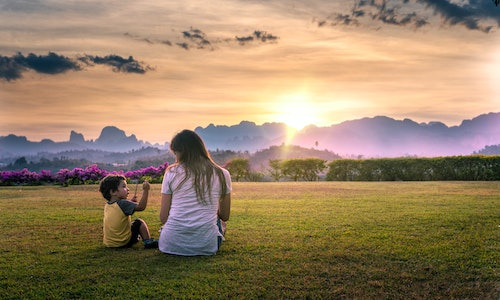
(83, 66)
(128, 134)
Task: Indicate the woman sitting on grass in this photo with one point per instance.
(196, 199)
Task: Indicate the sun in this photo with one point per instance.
(296, 110)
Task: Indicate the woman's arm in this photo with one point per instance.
(225, 207)
(166, 201)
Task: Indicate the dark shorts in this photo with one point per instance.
(134, 227)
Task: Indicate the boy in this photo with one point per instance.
(117, 229)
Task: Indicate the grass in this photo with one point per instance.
(285, 240)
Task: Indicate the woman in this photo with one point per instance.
(196, 199)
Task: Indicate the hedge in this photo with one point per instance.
(475, 167)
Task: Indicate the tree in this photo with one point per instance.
(306, 168)
(21, 162)
(275, 169)
(239, 168)
(311, 168)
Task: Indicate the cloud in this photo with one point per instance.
(197, 39)
(147, 40)
(470, 13)
(27, 6)
(119, 64)
(257, 35)
(183, 45)
(11, 68)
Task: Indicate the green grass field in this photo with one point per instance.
(285, 240)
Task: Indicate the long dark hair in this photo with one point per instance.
(194, 157)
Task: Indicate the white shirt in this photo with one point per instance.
(191, 227)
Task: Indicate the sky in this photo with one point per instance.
(153, 68)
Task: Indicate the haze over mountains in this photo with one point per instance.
(371, 137)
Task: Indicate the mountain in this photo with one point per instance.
(370, 137)
(379, 136)
(246, 136)
(386, 137)
(110, 139)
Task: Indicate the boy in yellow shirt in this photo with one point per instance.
(118, 230)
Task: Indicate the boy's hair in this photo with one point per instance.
(110, 184)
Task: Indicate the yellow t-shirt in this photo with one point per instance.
(116, 226)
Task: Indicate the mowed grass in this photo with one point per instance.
(285, 240)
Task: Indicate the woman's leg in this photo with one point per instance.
(222, 229)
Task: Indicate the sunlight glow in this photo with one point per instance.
(492, 71)
(296, 110)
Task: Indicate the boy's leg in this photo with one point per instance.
(144, 233)
(143, 230)
(135, 228)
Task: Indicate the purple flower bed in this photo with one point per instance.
(90, 175)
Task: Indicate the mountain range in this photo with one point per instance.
(370, 137)
(111, 139)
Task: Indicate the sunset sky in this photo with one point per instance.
(153, 68)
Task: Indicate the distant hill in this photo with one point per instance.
(110, 139)
(369, 137)
(246, 136)
(386, 137)
(259, 161)
(489, 150)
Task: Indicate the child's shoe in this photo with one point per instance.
(150, 244)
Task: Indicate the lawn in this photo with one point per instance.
(285, 240)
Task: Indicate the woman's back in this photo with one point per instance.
(191, 227)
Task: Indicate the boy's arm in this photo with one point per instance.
(144, 199)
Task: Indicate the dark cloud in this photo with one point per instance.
(11, 68)
(27, 6)
(341, 19)
(197, 39)
(472, 14)
(119, 64)
(257, 35)
(47, 64)
(183, 45)
(264, 36)
(147, 40)
(244, 39)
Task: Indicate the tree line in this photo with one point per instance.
(476, 167)
(467, 168)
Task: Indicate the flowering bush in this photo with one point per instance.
(23, 177)
(90, 175)
(151, 174)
